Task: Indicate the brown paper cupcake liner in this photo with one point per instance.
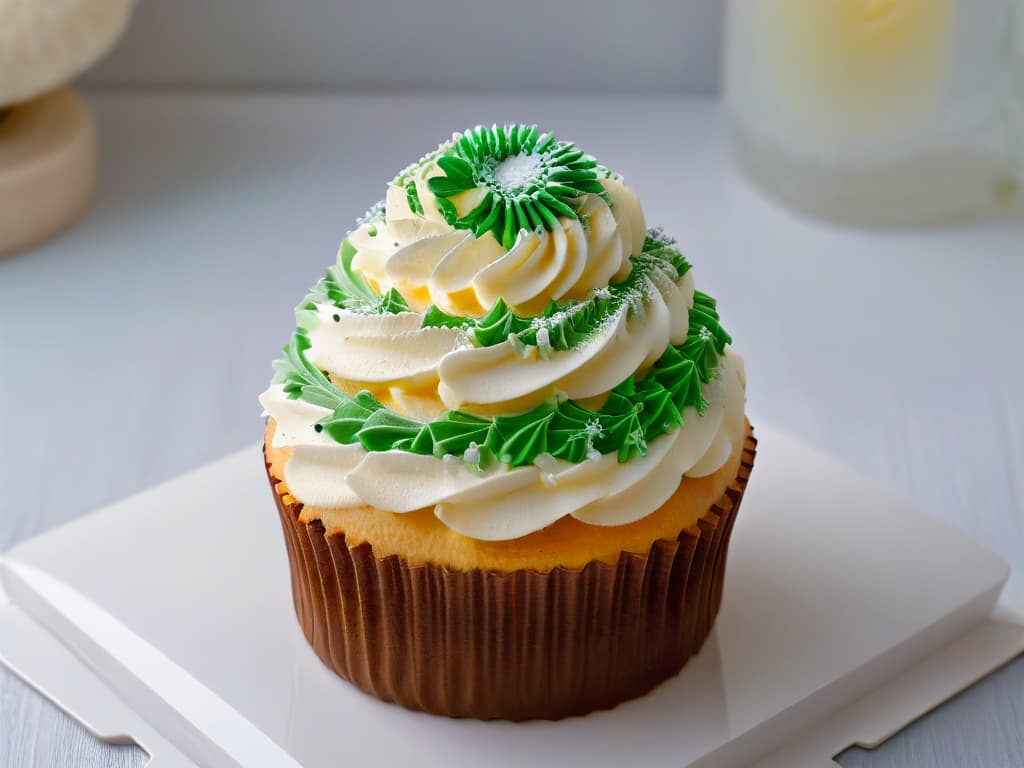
(516, 645)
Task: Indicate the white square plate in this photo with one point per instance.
(846, 613)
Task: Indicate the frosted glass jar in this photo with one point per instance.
(879, 112)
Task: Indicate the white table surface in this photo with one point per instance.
(133, 348)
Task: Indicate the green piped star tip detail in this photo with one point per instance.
(531, 180)
(634, 414)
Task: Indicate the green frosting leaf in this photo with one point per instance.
(302, 379)
(531, 179)
(350, 416)
(385, 429)
(345, 288)
(521, 439)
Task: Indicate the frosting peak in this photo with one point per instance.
(504, 328)
(501, 213)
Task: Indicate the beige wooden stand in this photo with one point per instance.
(48, 161)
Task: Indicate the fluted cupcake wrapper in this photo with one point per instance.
(516, 645)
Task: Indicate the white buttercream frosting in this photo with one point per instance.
(430, 262)
(424, 371)
(379, 348)
(508, 503)
(503, 374)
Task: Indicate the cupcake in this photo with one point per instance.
(507, 440)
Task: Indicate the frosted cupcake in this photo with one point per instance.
(507, 440)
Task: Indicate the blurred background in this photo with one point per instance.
(528, 47)
(844, 174)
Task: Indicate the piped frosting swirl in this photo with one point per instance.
(503, 340)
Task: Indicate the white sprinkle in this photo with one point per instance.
(518, 346)
(662, 281)
(547, 463)
(518, 170)
(638, 437)
(636, 306)
(472, 454)
(592, 430)
(544, 342)
(658, 235)
(550, 322)
(448, 458)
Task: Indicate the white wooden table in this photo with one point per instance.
(133, 348)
